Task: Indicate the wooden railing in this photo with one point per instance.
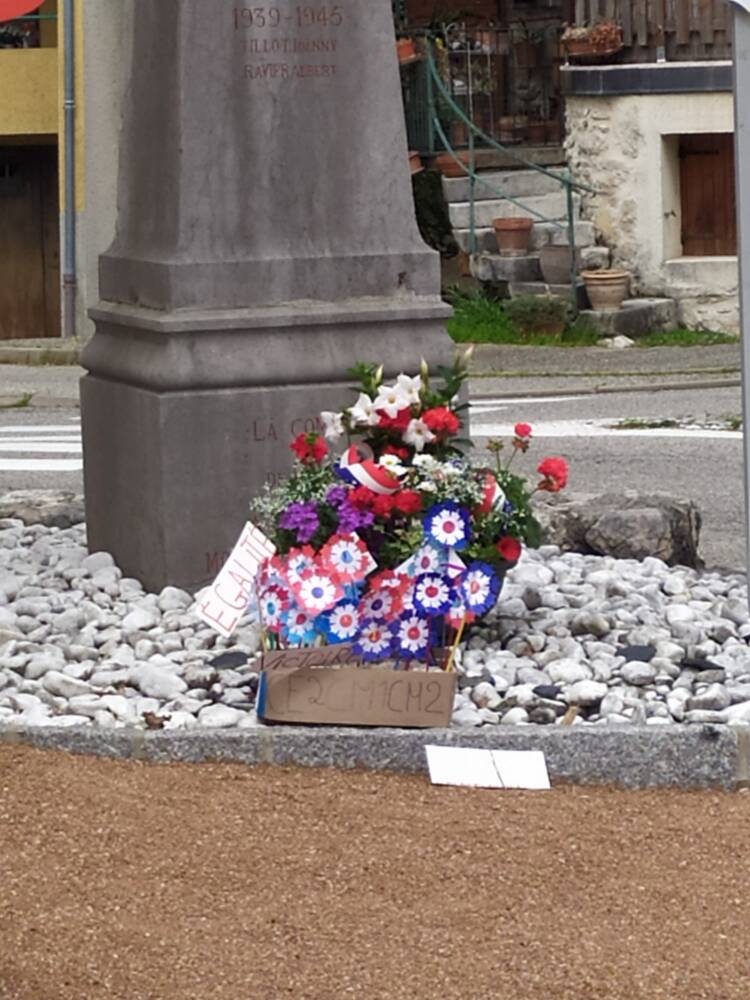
(672, 29)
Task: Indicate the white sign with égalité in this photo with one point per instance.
(226, 600)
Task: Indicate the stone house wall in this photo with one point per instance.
(626, 146)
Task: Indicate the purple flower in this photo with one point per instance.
(336, 496)
(352, 519)
(301, 517)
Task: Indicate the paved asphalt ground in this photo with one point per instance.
(575, 398)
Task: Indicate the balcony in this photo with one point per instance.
(683, 31)
(29, 89)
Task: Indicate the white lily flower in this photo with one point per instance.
(393, 464)
(333, 424)
(410, 386)
(418, 434)
(363, 411)
(390, 399)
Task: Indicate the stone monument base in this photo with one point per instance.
(180, 431)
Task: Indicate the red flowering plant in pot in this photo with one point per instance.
(397, 542)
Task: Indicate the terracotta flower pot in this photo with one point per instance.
(607, 289)
(406, 49)
(505, 127)
(415, 162)
(448, 166)
(513, 236)
(555, 264)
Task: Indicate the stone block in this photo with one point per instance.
(594, 258)
(636, 318)
(493, 267)
(698, 277)
(548, 234)
(517, 183)
(719, 313)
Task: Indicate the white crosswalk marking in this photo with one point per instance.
(30, 448)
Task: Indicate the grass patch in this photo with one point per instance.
(685, 338)
(479, 320)
(643, 424)
(20, 403)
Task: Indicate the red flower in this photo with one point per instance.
(398, 423)
(407, 501)
(442, 421)
(382, 505)
(309, 447)
(509, 548)
(361, 497)
(391, 449)
(522, 430)
(555, 472)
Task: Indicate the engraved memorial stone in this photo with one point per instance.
(265, 241)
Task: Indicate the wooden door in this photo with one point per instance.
(29, 242)
(709, 217)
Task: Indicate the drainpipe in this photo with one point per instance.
(70, 280)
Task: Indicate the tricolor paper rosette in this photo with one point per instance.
(296, 562)
(375, 641)
(383, 604)
(348, 557)
(448, 525)
(298, 628)
(317, 590)
(274, 601)
(479, 587)
(341, 623)
(427, 559)
(433, 594)
(411, 637)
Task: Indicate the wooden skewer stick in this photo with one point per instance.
(454, 647)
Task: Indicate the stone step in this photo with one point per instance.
(555, 291)
(637, 318)
(518, 183)
(493, 267)
(542, 234)
(551, 206)
(692, 277)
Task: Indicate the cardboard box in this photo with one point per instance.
(324, 686)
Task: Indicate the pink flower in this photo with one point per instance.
(522, 430)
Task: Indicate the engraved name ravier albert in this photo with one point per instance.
(288, 34)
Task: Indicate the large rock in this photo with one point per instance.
(627, 525)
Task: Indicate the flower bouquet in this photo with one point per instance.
(397, 543)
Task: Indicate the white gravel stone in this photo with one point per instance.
(140, 620)
(156, 682)
(66, 687)
(219, 717)
(585, 693)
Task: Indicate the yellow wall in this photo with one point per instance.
(28, 85)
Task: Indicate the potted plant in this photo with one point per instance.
(513, 235)
(556, 265)
(603, 38)
(607, 288)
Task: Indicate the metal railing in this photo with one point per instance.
(436, 86)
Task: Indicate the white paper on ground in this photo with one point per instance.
(521, 768)
(487, 768)
(462, 766)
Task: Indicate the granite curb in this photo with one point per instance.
(694, 756)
